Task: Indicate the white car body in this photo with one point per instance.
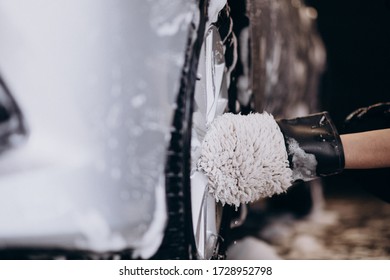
(96, 82)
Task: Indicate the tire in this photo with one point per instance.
(181, 240)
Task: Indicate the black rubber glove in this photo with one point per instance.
(313, 145)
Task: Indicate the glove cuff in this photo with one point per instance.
(313, 145)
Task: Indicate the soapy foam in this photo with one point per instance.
(304, 164)
(245, 158)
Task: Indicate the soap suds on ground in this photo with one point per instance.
(348, 228)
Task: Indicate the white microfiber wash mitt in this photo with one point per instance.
(245, 158)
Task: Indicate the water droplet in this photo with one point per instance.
(100, 165)
(138, 100)
(116, 173)
(136, 195)
(116, 73)
(142, 84)
(112, 143)
(125, 195)
(116, 90)
(113, 117)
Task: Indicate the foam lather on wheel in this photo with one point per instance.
(245, 158)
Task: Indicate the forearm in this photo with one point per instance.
(367, 150)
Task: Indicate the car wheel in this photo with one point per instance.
(196, 222)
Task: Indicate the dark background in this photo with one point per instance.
(356, 35)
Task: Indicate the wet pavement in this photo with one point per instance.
(346, 227)
(360, 230)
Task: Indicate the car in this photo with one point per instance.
(103, 108)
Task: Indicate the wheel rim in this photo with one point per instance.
(210, 101)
